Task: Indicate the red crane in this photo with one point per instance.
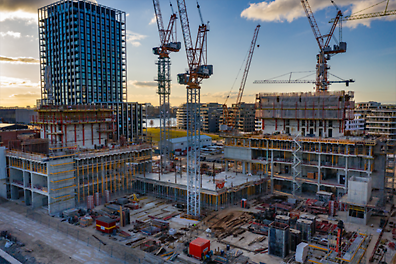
(167, 36)
(230, 119)
(196, 54)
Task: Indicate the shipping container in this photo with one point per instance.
(105, 224)
(199, 247)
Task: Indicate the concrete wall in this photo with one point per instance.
(236, 153)
(3, 188)
(291, 126)
(359, 190)
(74, 135)
(3, 171)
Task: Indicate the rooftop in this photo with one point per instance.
(184, 139)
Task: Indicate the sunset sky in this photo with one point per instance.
(286, 41)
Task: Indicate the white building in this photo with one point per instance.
(355, 126)
(181, 142)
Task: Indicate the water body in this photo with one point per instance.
(155, 122)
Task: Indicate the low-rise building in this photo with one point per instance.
(382, 122)
(16, 115)
(355, 126)
(211, 114)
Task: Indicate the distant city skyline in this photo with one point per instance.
(286, 44)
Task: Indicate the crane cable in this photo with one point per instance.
(236, 78)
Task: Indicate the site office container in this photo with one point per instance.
(105, 224)
(199, 247)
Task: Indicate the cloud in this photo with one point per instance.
(26, 60)
(23, 9)
(28, 17)
(134, 38)
(143, 84)
(28, 95)
(25, 5)
(153, 20)
(30, 6)
(289, 10)
(11, 34)
(9, 82)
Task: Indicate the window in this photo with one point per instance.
(330, 123)
(320, 132)
(311, 131)
(330, 134)
(302, 122)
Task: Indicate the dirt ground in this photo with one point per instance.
(43, 244)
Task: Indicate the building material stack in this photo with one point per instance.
(279, 239)
(295, 239)
(306, 227)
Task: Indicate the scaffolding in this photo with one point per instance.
(112, 171)
(296, 165)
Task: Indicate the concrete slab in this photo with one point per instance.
(231, 179)
(75, 249)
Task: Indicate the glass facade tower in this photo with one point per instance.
(82, 53)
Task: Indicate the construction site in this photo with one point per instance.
(294, 186)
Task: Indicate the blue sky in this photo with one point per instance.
(286, 44)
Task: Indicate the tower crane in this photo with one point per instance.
(325, 51)
(230, 119)
(168, 43)
(197, 71)
(369, 15)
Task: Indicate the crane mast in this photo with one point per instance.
(197, 71)
(168, 44)
(230, 119)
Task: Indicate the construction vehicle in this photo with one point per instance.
(230, 118)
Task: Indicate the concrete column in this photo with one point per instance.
(243, 167)
(249, 167)
(226, 165)
(319, 165)
(14, 193)
(272, 171)
(346, 173)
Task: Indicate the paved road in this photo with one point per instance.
(71, 247)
